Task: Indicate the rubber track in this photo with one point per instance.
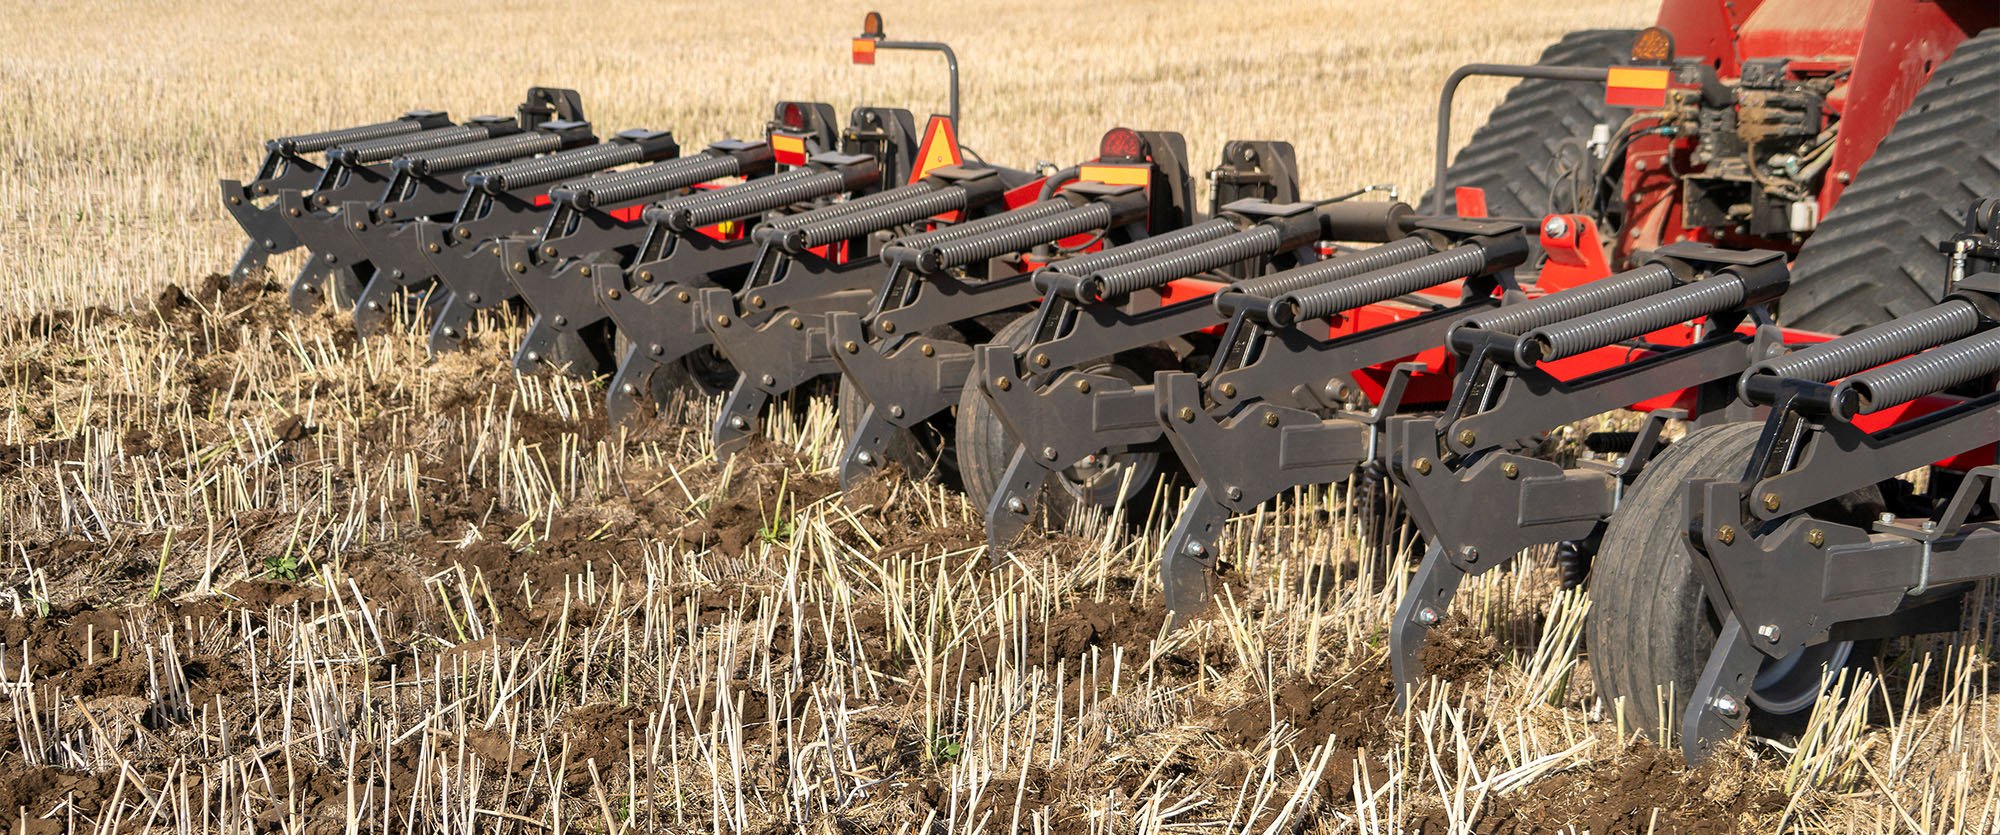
(1510, 154)
(1875, 256)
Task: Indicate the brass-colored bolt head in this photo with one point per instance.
(1228, 389)
(1510, 470)
(1083, 386)
(1816, 538)
(722, 320)
(1041, 360)
(1468, 437)
(389, 213)
(1002, 383)
(436, 248)
(683, 297)
(615, 293)
(520, 267)
(294, 211)
(887, 326)
(1271, 419)
(798, 324)
(646, 276)
(585, 272)
(1771, 501)
(358, 226)
(756, 301)
(1422, 466)
(1725, 534)
(464, 232)
(927, 349)
(549, 251)
(851, 347)
(1187, 414)
(236, 201)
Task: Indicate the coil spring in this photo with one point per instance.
(391, 147)
(661, 211)
(534, 172)
(440, 160)
(731, 203)
(1132, 253)
(1636, 318)
(849, 206)
(620, 186)
(1628, 286)
(1874, 346)
(1930, 372)
(961, 251)
(1160, 269)
(854, 223)
(307, 143)
(1383, 284)
(1026, 214)
(1344, 265)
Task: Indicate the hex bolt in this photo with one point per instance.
(1725, 534)
(1469, 553)
(1556, 227)
(1083, 387)
(1228, 389)
(1769, 632)
(683, 297)
(472, 297)
(646, 276)
(520, 267)
(1187, 414)
(549, 251)
(534, 356)
(1771, 501)
(434, 248)
(656, 349)
(865, 458)
(1048, 453)
(1510, 470)
(1002, 383)
(768, 380)
(739, 422)
(927, 350)
(562, 321)
(1816, 538)
(1427, 616)
(798, 324)
(895, 411)
(1726, 705)
(1271, 418)
(1422, 466)
(1194, 548)
(1015, 505)
(374, 305)
(631, 390)
(1041, 360)
(851, 347)
(721, 320)
(887, 326)
(1886, 518)
(1467, 437)
(585, 272)
(756, 301)
(1234, 493)
(615, 293)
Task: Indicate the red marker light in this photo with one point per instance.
(1121, 145)
(794, 116)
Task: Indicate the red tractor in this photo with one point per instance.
(1850, 132)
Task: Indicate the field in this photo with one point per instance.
(261, 575)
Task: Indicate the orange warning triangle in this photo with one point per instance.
(939, 149)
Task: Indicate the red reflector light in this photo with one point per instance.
(1121, 145)
(794, 116)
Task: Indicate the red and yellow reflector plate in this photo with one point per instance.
(788, 149)
(1636, 87)
(1117, 175)
(864, 50)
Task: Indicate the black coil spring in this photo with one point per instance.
(1026, 214)
(376, 150)
(851, 224)
(1194, 260)
(1636, 318)
(1326, 299)
(1870, 347)
(730, 203)
(1132, 253)
(1927, 373)
(1016, 238)
(659, 212)
(619, 186)
(513, 146)
(534, 172)
(849, 206)
(1627, 286)
(306, 143)
(1344, 265)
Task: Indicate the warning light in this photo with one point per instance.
(1121, 145)
(1654, 45)
(871, 25)
(793, 116)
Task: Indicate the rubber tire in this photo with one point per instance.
(1875, 255)
(983, 442)
(1651, 626)
(1510, 154)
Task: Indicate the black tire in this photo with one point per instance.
(983, 442)
(1512, 155)
(1875, 255)
(1651, 627)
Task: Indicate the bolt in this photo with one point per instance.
(895, 411)
(435, 248)
(1726, 705)
(534, 357)
(1083, 387)
(451, 332)
(270, 244)
(462, 232)
(562, 321)
(396, 274)
(768, 380)
(1194, 549)
(472, 297)
(1271, 419)
(1469, 553)
(549, 251)
(887, 326)
(1048, 453)
(1556, 227)
(656, 349)
(585, 272)
(721, 320)
(756, 301)
(1510, 470)
(683, 297)
(1769, 632)
(1467, 437)
(1187, 414)
(1015, 505)
(927, 350)
(389, 213)
(1041, 360)
(851, 347)
(798, 324)
(1427, 616)
(1725, 534)
(332, 259)
(1234, 493)
(520, 267)
(1886, 518)
(615, 293)
(1002, 383)
(739, 422)
(1228, 389)
(1422, 466)
(1771, 501)
(374, 305)
(236, 201)
(1844, 177)
(631, 390)
(865, 458)
(646, 276)
(294, 212)
(1930, 525)
(1816, 538)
